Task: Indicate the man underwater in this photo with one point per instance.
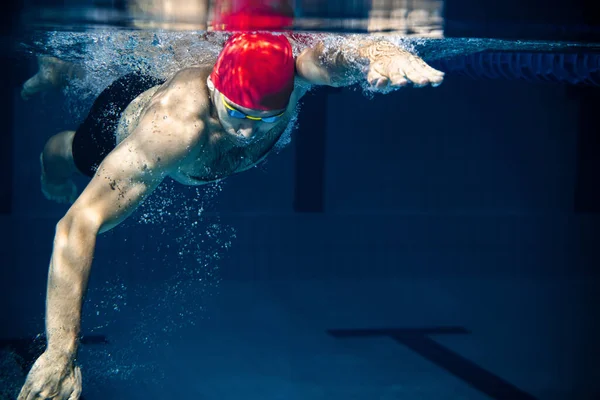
(203, 124)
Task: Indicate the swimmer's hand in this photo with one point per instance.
(52, 377)
(392, 67)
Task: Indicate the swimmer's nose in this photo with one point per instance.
(247, 132)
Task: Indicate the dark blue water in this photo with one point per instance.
(433, 243)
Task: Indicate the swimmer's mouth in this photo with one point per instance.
(238, 138)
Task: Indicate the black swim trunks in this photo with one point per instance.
(96, 136)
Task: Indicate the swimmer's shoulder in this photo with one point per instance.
(189, 79)
(186, 90)
(194, 73)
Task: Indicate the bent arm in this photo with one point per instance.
(118, 188)
(383, 64)
(123, 180)
(332, 65)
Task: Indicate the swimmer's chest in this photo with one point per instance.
(219, 160)
(209, 167)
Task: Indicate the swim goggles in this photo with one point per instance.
(232, 112)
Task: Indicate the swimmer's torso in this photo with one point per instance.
(216, 157)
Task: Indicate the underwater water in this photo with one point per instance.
(426, 243)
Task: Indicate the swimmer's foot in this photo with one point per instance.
(61, 192)
(52, 74)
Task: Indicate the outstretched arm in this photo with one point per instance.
(384, 64)
(123, 180)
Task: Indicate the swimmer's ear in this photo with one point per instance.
(210, 84)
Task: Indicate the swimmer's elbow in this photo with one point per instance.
(310, 67)
(76, 226)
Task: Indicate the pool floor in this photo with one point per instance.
(418, 339)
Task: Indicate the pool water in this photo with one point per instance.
(430, 243)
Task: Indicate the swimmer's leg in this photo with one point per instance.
(58, 168)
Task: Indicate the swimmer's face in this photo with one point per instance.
(235, 121)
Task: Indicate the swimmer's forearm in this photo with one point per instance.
(68, 276)
(346, 64)
(343, 64)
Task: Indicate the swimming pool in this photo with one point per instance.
(435, 243)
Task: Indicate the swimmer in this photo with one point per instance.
(203, 124)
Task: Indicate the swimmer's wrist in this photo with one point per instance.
(65, 354)
(64, 347)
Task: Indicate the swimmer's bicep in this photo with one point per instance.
(130, 173)
(117, 189)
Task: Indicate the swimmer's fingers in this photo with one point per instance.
(30, 391)
(76, 384)
(407, 66)
(71, 386)
(398, 71)
(376, 77)
(393, 66)
(51, 378)
(433, 76)
(402, 70)
(27, 393)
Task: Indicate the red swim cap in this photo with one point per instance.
(256, 70)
